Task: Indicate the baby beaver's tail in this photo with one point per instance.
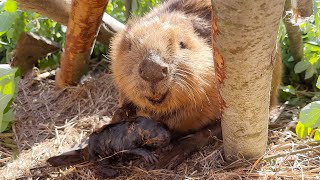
(69, 158)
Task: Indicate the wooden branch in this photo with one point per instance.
(284, 154)
(30, 48)
(58, 10)
(83, 25)
(294, 34)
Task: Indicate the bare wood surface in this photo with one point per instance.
(83, 25)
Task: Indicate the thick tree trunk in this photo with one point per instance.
(244, 44)
(294, 34)
(58, 10)
(83, 25)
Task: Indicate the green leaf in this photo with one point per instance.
(6, 120)
(10, 6)
(7, 93)
(309, 72)
(290, 59)
(317, 135)
(318, 82)
(310, 115)
(289, 89)
(302, 131)
(6, 19)
(2, 4)
(301, 66)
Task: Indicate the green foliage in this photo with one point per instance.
(309, 120)
(318, 83)
(117, 9)
(14, 21)
(8, 81)
(10, 6)
(301, 84)
(302, 75)
(144, 6)
(310, 115)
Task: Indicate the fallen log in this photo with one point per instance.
(30, 48)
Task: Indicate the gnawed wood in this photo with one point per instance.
(83, 25)
(30, 48)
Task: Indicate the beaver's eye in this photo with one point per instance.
(182, 45)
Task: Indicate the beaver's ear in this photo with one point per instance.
(201, 27)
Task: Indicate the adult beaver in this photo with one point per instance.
(163, 67)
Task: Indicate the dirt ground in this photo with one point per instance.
(50, 121)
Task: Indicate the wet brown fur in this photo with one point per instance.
(192, 102)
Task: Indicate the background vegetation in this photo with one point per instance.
(300, 81)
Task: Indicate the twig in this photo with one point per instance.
(6, 135)
(283, 154)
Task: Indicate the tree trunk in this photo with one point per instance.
(244, 45)
(83, 25)
(128, 5)
(294, 34)
(50, 8)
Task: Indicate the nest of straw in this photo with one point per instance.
(49, 122)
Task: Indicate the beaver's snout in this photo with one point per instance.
(152, 69)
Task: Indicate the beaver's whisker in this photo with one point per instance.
(189, 87)
(195, 87)
(199, 89)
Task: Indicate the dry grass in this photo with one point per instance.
(50, 121)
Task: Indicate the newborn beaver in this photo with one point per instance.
(121, 138)
(163, 67)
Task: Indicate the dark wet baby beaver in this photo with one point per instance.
(115, 140)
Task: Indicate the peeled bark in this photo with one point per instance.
(49, 8)
(83, 25)
(294, 34)
(244, 45)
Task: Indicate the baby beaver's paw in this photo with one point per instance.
(147, 155)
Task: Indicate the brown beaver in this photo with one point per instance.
(163, 67)
(127, 137)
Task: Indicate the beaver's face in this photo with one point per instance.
(162, 64)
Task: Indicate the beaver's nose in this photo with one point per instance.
(153, 69)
